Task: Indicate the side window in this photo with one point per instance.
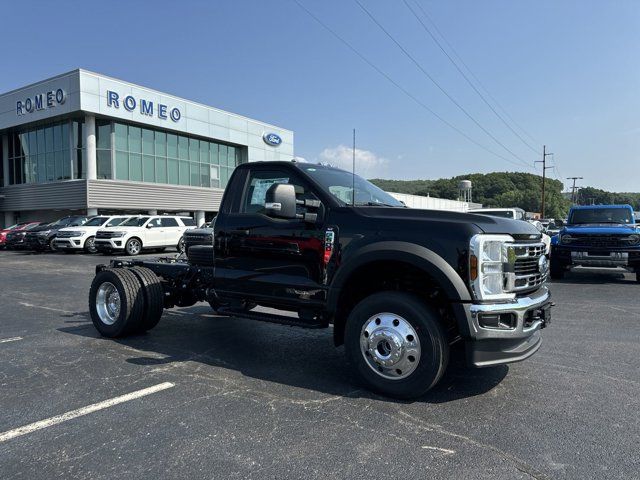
(154, 223)
(259, 183)
(188, 221)
(169, 222)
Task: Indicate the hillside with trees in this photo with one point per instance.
(509, 189)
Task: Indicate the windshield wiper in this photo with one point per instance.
(376, 204)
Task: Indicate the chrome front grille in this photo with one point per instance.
(66, 234)
(527, 274)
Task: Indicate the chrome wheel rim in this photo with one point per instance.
(108, 303)
(390, 346)
(134, 247)
(91, 245)
(181, 245)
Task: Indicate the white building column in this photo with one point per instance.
(199, 217)
(90, 144)
(152, 212)
(92, 212)
(5, 159)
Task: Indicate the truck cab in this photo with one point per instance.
(325, 248)
(597, 236)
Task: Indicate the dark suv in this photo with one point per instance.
(42, 238)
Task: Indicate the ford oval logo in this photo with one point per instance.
(272, 139)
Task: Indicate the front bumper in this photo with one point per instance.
(516, 334)
(37, 242)
(69, 243)
(628, 258)
(109, 245)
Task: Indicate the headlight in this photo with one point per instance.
(487, 258)
(45, 233)
(566, 239)
(75, 234)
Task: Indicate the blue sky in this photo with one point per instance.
(568, 72)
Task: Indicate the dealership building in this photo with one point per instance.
(84, 143)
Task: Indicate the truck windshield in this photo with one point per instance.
(600, 215)
(135, 222)
(340, 184)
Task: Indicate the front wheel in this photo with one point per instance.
(133, 247)
(90, 245)
(638, 276)
(52, 245)
(396, 344)
(181, 245)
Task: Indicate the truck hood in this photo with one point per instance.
(600, 229)
(519, 229)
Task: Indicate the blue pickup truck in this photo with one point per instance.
(597, 236)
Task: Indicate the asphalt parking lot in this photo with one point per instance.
(214, 397)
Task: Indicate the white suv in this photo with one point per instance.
(147, 231)
(72, 239)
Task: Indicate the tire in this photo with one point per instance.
(133, 247)
(417, 341)
(556, 270)
(638, 277)
(119, 316)
(181, 246)
(52, 245)
(153, 294)
(90, 245)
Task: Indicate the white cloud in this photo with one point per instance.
(368, 164)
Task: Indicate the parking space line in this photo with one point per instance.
(12, 339)
(32, 427)
(31, 305)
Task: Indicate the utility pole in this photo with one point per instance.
(544, 174)
(573, 189)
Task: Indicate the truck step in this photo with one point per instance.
(271, 318)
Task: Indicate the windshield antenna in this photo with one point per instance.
(353, 172)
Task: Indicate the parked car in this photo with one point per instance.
(514, 213)
(545, 238)
(42, 238)
(78, 238)
(15, 239)
(597, 236)
(397, 298)
(144, 232)
(14, 228)
(198, 245)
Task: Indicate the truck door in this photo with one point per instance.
(270, 258)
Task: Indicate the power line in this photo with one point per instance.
(433, 80)
(426, 29)
(400, 87)
(433, 23)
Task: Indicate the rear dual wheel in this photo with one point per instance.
(125, 301)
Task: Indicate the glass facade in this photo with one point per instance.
(40, 154)
(125, 152)
(148, 155)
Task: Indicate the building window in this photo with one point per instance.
(149, 155)
(39, 155)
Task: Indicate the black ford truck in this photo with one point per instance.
(399, 286)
